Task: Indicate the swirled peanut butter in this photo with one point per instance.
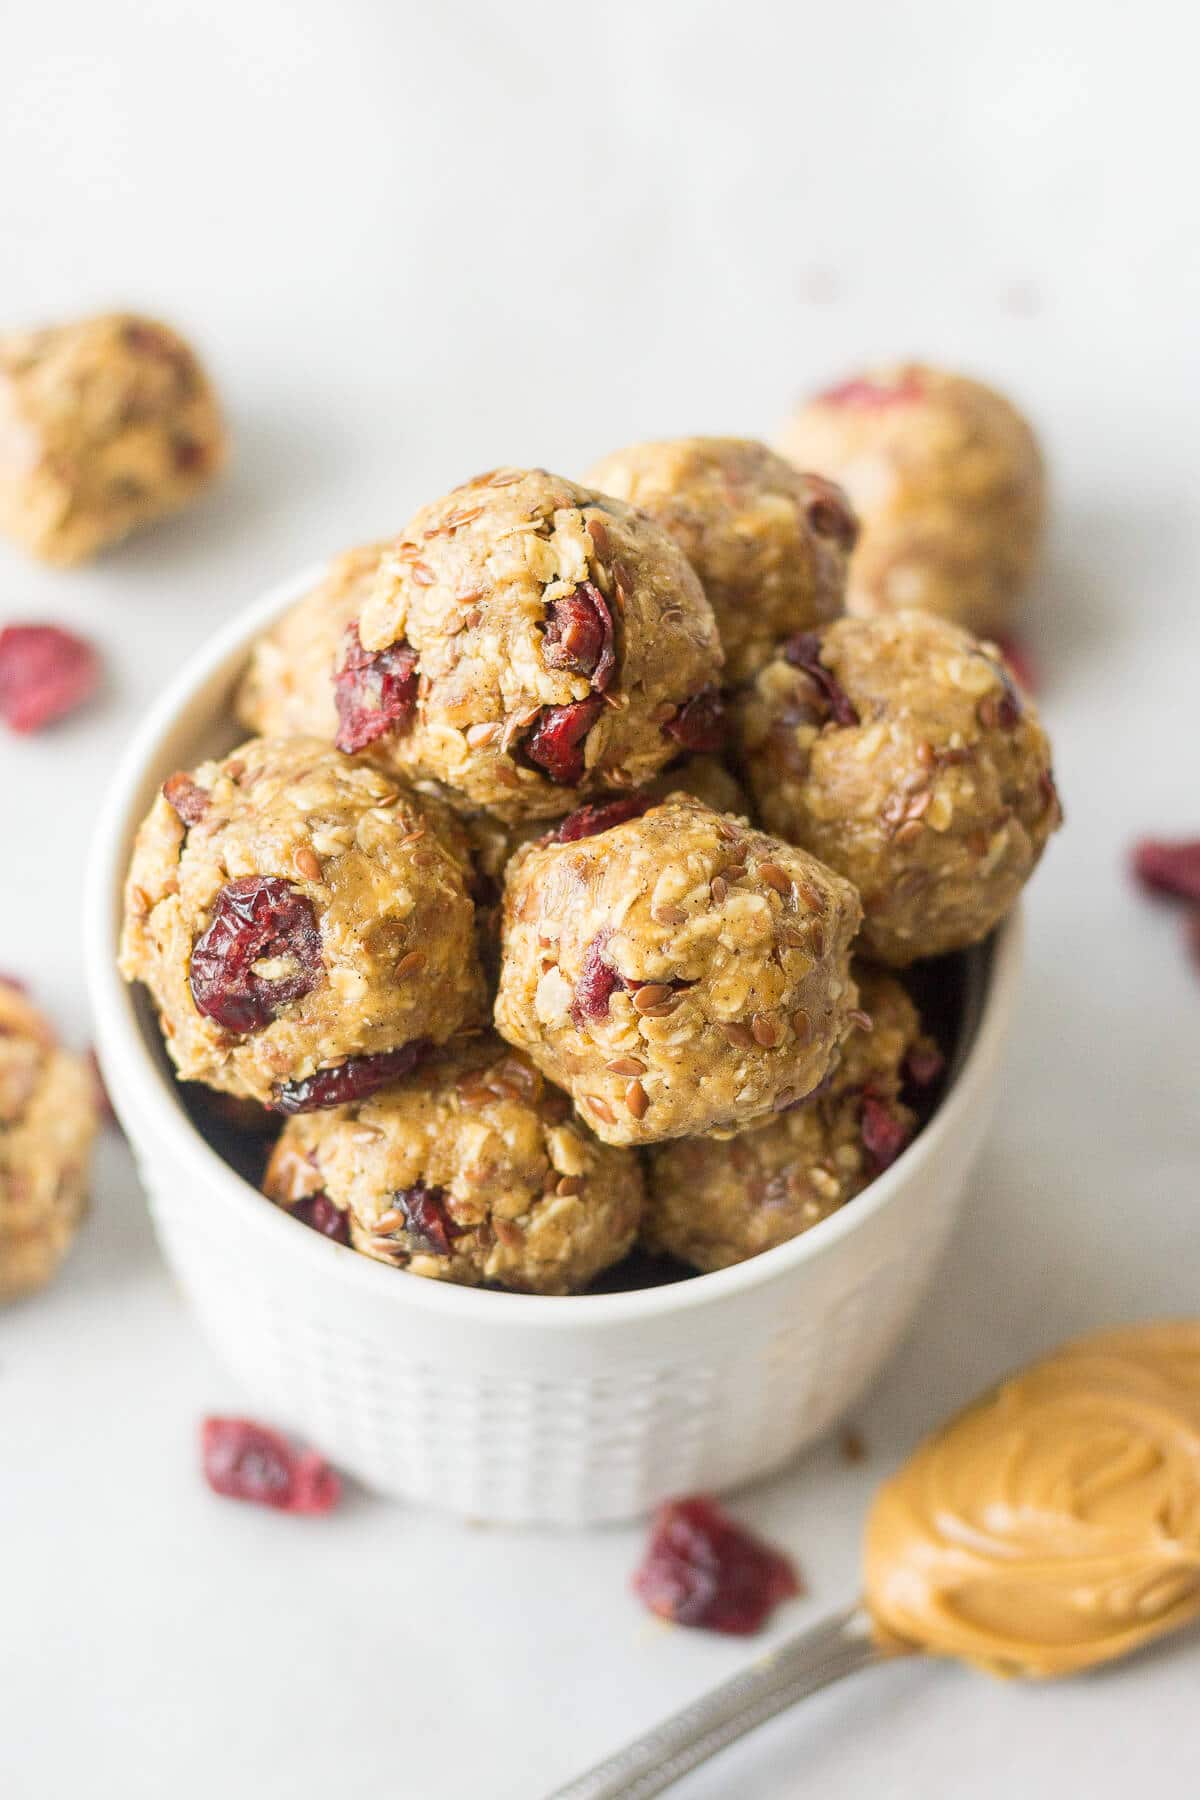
(1056, 1523)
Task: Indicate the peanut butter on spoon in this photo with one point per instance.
(1054, 1524)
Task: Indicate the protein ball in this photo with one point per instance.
(901, 752)
(471, 1170)
(303, 928)
(525, 643)
(768, 543)
(48, 1119)
(106, 424)
(288, 691)
(712, 1202)
(948, 483)
(677, 973)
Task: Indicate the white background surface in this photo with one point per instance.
(417, 241)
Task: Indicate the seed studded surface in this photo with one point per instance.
(936, 803)
(615, 950)
(768, 543)
(712, 1202)
(947, 481)
(48, 1118)
(472, 1170)
(105, 425)
(341, 850)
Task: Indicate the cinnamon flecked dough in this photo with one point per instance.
(106, 424)
(473, 1169)
(677, 973)
(525, 642)
(332, 878)
(947, 482)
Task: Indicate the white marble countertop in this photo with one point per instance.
(416, 241)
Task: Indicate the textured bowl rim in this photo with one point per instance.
(148, 1107)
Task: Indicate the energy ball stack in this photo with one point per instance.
(489, 775)
(948, 484)
(48, 1117)
(106, 424)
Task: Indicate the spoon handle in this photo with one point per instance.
(838, 1646)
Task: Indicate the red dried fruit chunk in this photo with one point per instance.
(189, 800)
(555, 744)
(579, 636)
(1169, 867)
(829, 512)
(428, 1224)
(595, 985)
(924, 1064)
(355, 1079)
(1020, 662)
(320, 1214)
(374, 694)
(884, 1134)
(255, 918)
(700, 722)
(872, 396)
(244, 1461)
(702, 1568)
(45, 673)
(188, 454)
(804, 652)
(586, 821)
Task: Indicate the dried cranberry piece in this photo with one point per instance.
(319, 1213)
(255, 918)
(595, 984)
(1169, 867)
(1022, 665)
(374, 694)
(189, 800)
(829, 512)
(699, 723)
(555, 744)
(355, 1079)
(45, 673)
(702, 1568)
(804, 652)
(873, 396)
(884, 1134)
(586, 821)
(245, 1461)
(579, 636)
(427, 1222)
(924, 1064)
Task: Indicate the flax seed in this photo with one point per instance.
(636, 1099)
(408, 965)
(307, 862)
(766, 1029)
(601, 1108)
(647, 998)
(775, 877)
(625, 1065)
(740, 1036)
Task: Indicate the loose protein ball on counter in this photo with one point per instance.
(677, 973)
(948, 484)
(106, 424)
(302, 926)
(473, 1169)
(768, 543)
(900, 751)
(48, 1120)
(714, 1201)
(525, 642)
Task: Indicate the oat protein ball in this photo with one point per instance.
(948, 483)
(713, 1201)
(302, 927)
(676, 973)
(106, 424)
(524, 643)
(48, 1119)
(900, 751)
(768, 543)
(473, 1169)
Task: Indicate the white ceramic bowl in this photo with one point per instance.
(505, 1406)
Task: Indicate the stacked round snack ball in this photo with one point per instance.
(48, 1115)
(491, 755)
